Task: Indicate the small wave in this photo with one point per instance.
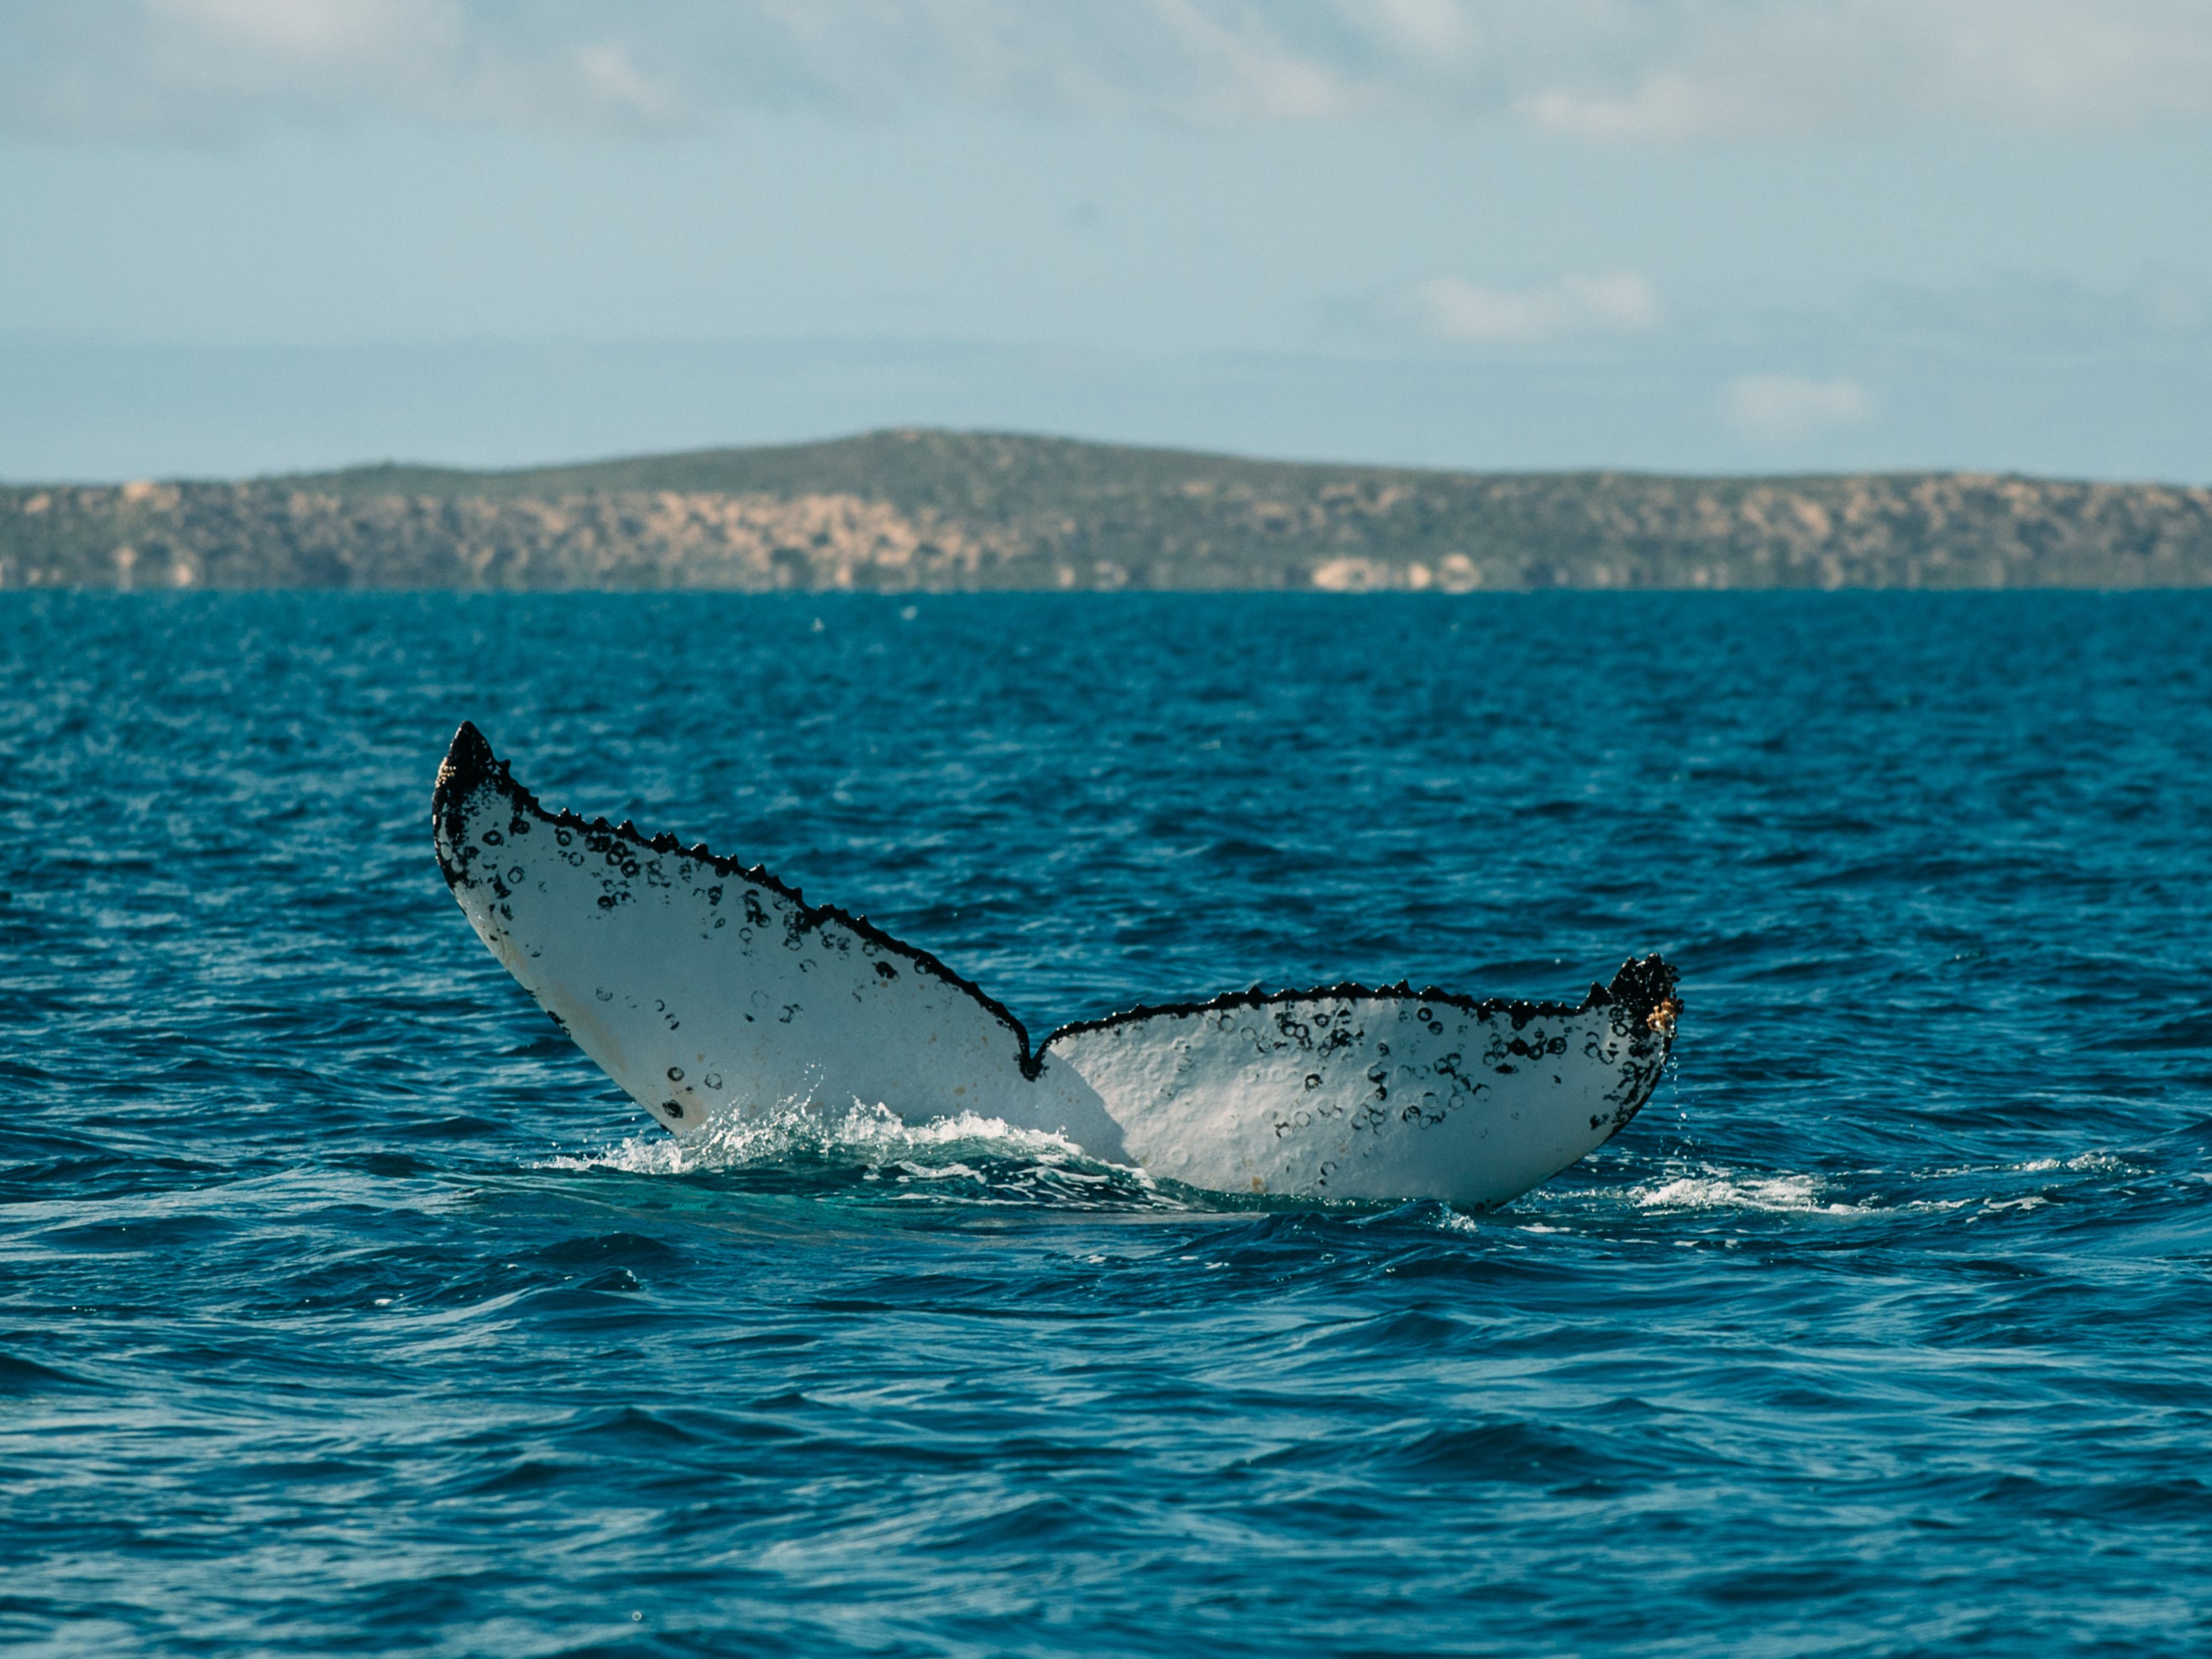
(1680, 1186)
(2091, 1162)
(1713, 1187)
(868, 1152)
(1687, 1187)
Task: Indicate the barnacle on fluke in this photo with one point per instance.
(705, 988)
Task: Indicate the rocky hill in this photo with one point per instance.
(938, 510)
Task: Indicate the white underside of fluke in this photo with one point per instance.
(706, 990)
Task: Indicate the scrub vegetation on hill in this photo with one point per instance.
(926, 510)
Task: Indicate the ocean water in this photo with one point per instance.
(345, 1308)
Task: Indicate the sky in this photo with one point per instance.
(247, 236)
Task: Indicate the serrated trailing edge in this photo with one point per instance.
(469, 765)
(1643, 986)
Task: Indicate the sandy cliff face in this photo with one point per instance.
(1250, 526)
(255, 536)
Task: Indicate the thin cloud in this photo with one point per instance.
(1667, 106)
(194, 69)
(1624, 70)
(2029, 314)
(1682, 70)
(1777, 411)
(1459, 312)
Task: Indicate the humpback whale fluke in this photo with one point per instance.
(704, 988)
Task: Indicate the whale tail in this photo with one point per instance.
(704, 986)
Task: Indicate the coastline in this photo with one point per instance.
(935, 511)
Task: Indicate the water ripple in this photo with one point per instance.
(343, 1307)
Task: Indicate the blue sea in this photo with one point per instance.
(346, 1307)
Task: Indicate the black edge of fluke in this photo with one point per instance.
(1644, 988)
(469, 765)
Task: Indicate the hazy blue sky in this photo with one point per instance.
(243, 235)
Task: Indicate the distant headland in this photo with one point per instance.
(932, 511)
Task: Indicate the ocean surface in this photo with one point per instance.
(345, 1308)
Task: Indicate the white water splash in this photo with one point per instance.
(967, 1157)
